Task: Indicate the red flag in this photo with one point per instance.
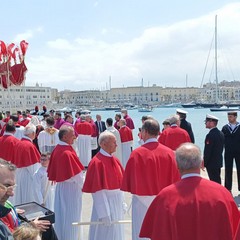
(10, 51)
(14, 53)
(23, 46)
(3, 48)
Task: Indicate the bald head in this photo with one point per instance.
(107, 142)
(189, 158)
(66, 134)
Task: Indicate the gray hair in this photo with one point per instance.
(83, 117)
(123, 122)
(104, 136)
(188, 156)
(7, 164)
(29, 129)
(174, 119)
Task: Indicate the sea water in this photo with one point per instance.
(195, 116)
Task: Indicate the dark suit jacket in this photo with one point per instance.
(213, 149)
(187, 126)
(103, 126)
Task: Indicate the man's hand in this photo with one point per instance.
(42, 225)
(106, 221)
(20, 211)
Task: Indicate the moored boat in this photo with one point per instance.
(145, 109)
(224, 109)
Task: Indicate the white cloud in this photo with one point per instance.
(28, 34)
(161, 55)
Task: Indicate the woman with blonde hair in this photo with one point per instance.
(26, 232)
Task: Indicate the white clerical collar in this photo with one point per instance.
(105, 153)
(8, 134)
(190, 175)
(174, 125)
(62, 143)
(28, 138)
(151, 140)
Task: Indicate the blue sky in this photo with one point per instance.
(78, 44)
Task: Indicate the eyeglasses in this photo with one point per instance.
(43, 159)
(7, 188)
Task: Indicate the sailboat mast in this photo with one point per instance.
(216, 66)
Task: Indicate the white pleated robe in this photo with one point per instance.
(140, 205)
(68, 207)
(84, 149)
(24, 191)
(43, 189)
(107, 203)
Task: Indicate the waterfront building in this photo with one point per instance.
(22, 97)
(26, 97)
(152, 95)
(80, 98)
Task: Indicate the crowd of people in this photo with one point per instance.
(54, 159)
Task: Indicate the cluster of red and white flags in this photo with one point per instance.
(12, 65)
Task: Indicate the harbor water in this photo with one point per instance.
(195, 116)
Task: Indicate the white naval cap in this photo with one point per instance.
(234, 113)
(181, 111)
(211, 117)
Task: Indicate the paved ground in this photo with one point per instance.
(87, 207)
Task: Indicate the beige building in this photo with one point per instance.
(25, 97)
(151, 95)
(22, 97)
(80, 98)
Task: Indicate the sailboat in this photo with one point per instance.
(219, 107)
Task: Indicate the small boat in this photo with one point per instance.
(85, 111)
(112, 108)
(189, 105)
(145, 109)
(172, 105)
(224, 109)
(97, 109)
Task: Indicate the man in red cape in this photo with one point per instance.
(66, 169)
(150, 168)
(85, 131)
(129, 121)
(126, 141)
(103, 180)
(193, 208)
(174, 136)
(27, 159)
(8, 142)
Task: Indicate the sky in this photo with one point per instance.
(81, 44)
